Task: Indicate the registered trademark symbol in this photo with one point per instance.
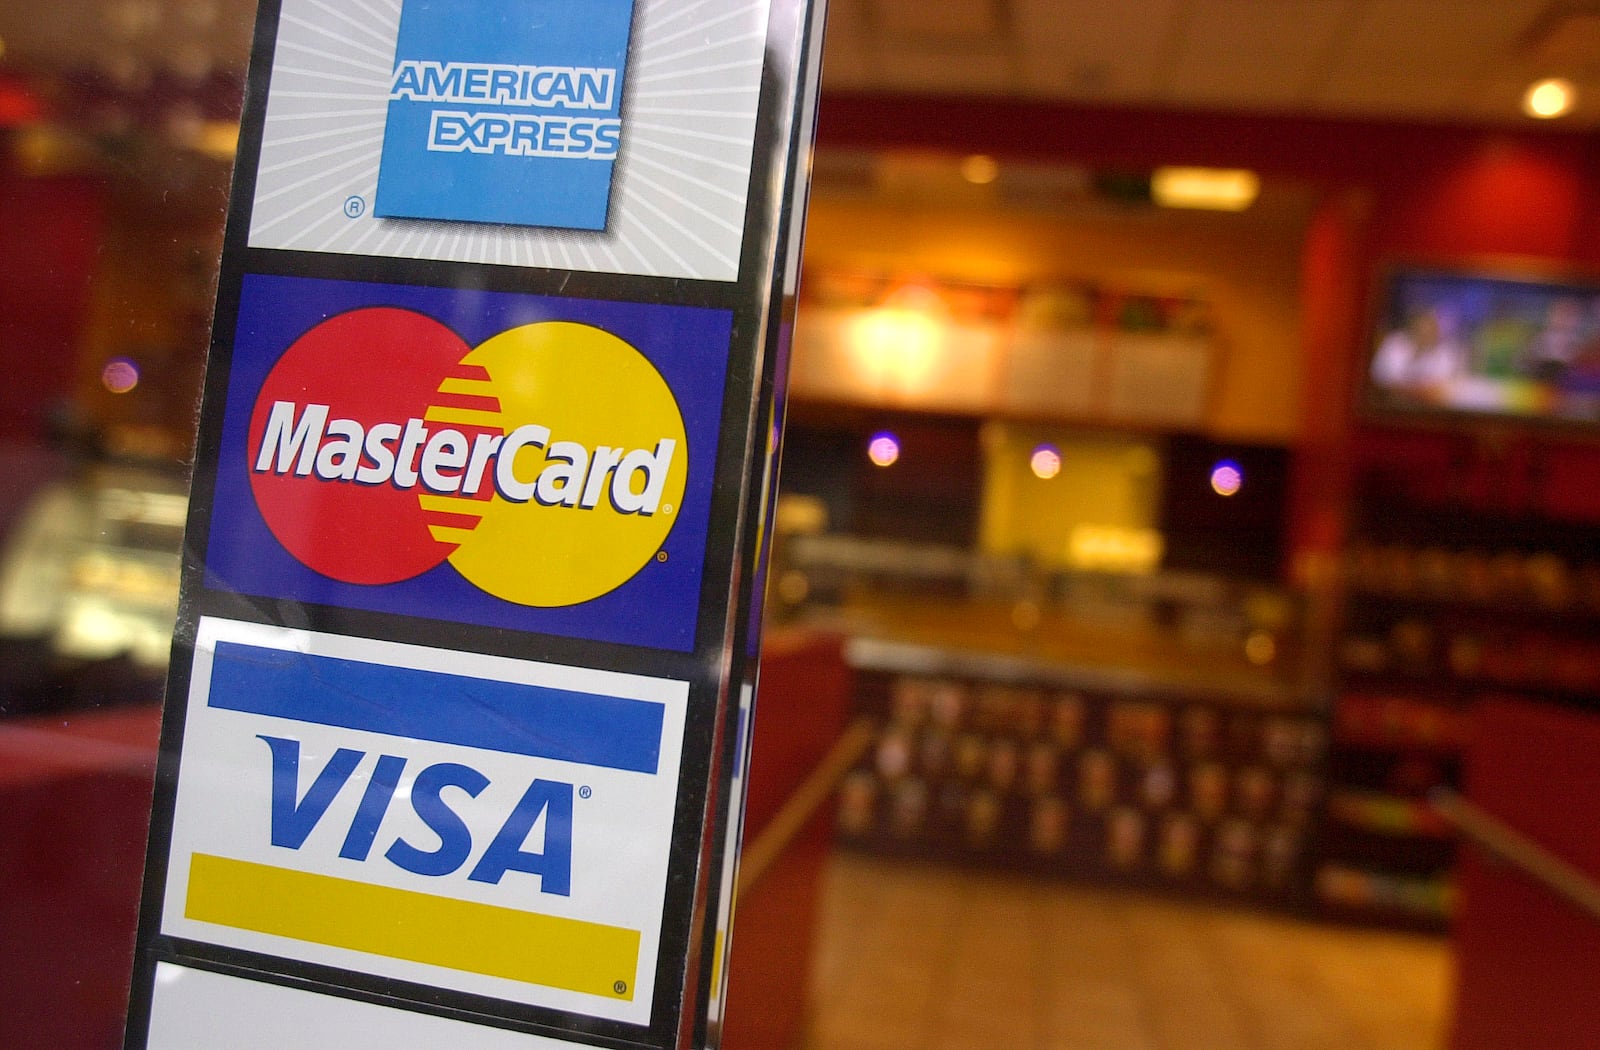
(661, 555)
(354, 207)
(666, 508)
(585, 791)
(621, 987)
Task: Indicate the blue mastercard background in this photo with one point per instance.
(656, 608)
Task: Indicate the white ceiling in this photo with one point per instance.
(1433, 60)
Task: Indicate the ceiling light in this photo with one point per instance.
(1216, 189)
(1045, 462)
(883, 449)
(1227, 478)
(1549, 98)
(980, 169)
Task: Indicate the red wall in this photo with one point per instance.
(1499, 195)
(48, 244)
(1527, 961)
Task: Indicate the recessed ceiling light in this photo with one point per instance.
(1549, 98)
(1227, 477)
(1218, 189)
(1045, 462)
(884, 449)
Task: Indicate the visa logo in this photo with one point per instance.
(496, 826)
(450, 798)
(295, 816)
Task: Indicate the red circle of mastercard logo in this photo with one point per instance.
(546, 464)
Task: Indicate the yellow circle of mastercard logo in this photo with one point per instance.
(547, 465)
(584, 496)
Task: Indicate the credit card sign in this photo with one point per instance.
(608, 136)
(498, 827)
(475, 541)
(494, 459)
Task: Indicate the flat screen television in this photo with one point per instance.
(1476, 344)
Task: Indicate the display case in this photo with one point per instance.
(89, 590)
(1072, 770)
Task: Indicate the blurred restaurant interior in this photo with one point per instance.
(1183, 622)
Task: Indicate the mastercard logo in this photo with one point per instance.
(546, 465)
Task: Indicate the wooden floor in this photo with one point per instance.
(929, 958)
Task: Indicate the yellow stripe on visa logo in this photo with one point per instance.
(476, 938)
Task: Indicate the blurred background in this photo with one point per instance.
(1182, 617)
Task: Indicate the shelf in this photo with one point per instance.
(1376, 895)
(1390, 815)
(1571, 613)
(1444, 607)
(997, 762)
(1380, 851)
(1464, 692)
(1399, 722)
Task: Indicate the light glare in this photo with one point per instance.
(1548, 98)
(883, 449)
(1214, 189)
(120, 375)
(1045, 462)
(1226, 477)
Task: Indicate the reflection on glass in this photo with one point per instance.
(120, 375)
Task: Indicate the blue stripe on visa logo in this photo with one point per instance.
(510, 717)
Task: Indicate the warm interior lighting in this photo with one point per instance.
(1216, 189)
(1260, 649)
(883, 449)
(120, 375)
(1549, 98)
(1226, 477)
(218, 138)
(980, 169)
(1114, 548)
(1045, 462)
(898, 345)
